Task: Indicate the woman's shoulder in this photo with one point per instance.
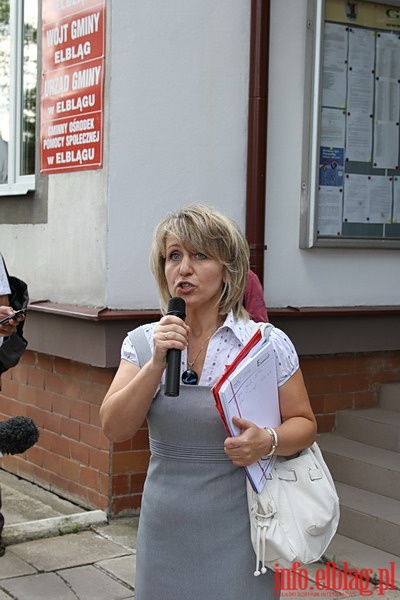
(286, 354)
(280, 335)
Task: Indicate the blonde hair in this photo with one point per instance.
(212, 233)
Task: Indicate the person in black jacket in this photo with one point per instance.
(5, 330)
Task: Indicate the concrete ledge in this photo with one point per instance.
(43, 528)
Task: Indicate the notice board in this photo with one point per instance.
(358, 143)
(72, 93)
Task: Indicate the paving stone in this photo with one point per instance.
(25, 501)
(12, 565)
(89, 583)
(67, 551)
(43, 586)
(122, 530)
(123, 568)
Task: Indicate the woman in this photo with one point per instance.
(193, 538)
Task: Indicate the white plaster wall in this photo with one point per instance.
(63, 260)
(315, 277)
(176, 132)
(178, 125)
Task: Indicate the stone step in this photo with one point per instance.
(373, 469)
(389, 396)
(346, 551)
(376, 427)
(369, 518)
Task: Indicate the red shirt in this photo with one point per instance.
(254, 301)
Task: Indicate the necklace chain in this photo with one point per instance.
(191, 364)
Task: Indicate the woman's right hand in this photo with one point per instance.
(171, 332)
(132, 390)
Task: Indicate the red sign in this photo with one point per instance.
(73, 42)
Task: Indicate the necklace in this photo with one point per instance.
(190, 377)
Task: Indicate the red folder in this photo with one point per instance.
(251, 391)
(253, 341)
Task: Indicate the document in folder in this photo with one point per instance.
(248, 389)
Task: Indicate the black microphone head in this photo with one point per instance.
(17, 435)
(177, 307)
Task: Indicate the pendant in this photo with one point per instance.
(190, 377)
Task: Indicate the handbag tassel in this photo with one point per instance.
(262, 526)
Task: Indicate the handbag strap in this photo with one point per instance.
(138, 339)
(5, 269)
(265, 328)
(5, 266)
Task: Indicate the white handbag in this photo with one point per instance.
(296, 515)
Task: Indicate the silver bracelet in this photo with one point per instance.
(274, 441)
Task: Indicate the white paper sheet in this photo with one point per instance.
(333, 123)
(359, 136)
(334, 65)
(367, 199)
(251, 392)
(330, 211)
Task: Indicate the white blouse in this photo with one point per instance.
(4, 286)
(223, 346)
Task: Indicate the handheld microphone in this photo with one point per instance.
(176, 306)
(17, 435)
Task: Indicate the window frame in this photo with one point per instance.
(311, 137)
(17, 184)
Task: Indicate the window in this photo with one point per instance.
(351, 183)
(18, 85)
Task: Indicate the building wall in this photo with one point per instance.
(178, 114)
(316, 277)
(64, 258)
(63, 397)
(74, 459)
(176, 100)
(176, 132)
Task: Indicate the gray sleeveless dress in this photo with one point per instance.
(194, 538)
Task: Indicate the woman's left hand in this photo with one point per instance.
(297, 430)
(247, 447)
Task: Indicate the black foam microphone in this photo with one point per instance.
(17, 435)
(176, 306)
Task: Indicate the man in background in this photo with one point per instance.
(253, 300)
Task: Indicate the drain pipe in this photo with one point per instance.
(257, 133)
